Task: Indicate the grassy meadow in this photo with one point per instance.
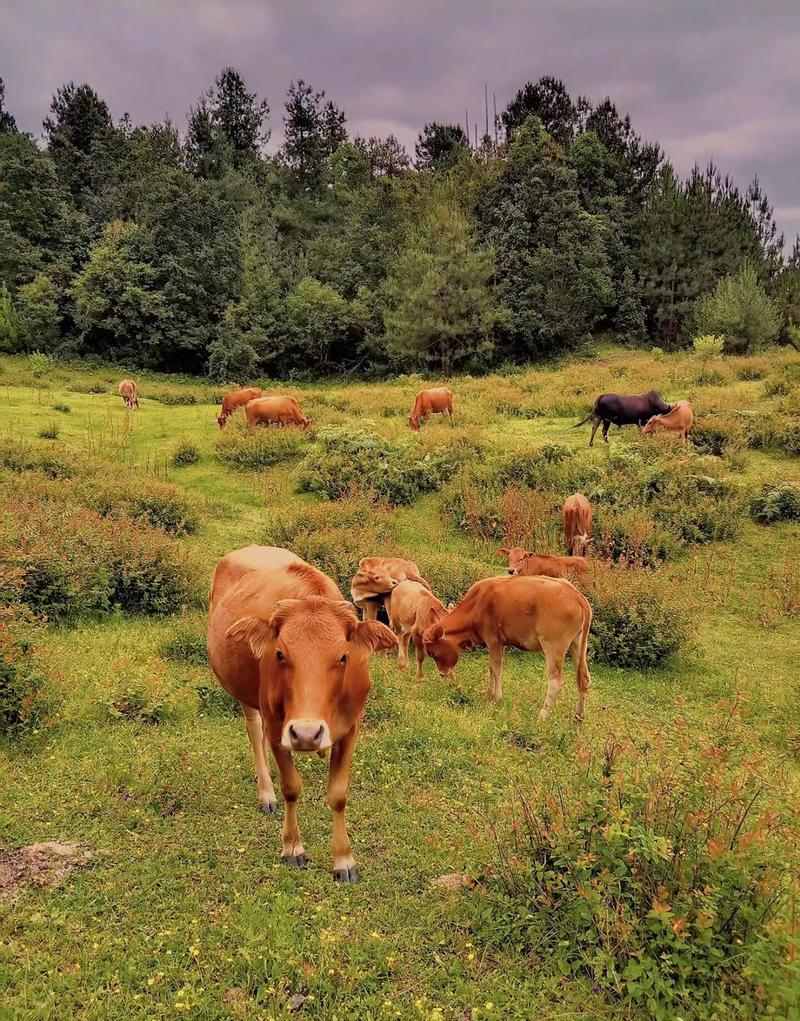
(185, 908)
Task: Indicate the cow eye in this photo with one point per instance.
(279, 656)
(343, 660)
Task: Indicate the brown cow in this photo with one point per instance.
(546, 565)
(129, 392)
(412, 608)
(375, 579)
(437, 400)
(680, 420)
(236, 399)
(279, 410)
(546, 614)
(283, 642)
(577, 516)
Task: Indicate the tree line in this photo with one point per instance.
(197, 251)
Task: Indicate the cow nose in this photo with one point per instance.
(306, 735)
(511, 570)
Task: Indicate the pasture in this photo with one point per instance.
(185, 908)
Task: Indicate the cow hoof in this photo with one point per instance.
(297, 861)
(346, 875)
(543, 714)
(268, 807)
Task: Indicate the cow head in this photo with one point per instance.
(221, 420)
(375, 580)
(516, 557)
(443, 649)
(581, 545)
(414, 423)
(652, 424)
(658, 403)
(314, 680)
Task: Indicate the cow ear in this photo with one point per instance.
(502, 552)
(256, 631)
(373, 635)
(436, 633)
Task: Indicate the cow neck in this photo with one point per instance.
(459, 627)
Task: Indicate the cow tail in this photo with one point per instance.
(582, 675)
(588, 418)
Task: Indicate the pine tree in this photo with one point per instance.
(440, 146)
(78, 119)
(227, 127)
(7, 122)
(548, 100)
(313, 130)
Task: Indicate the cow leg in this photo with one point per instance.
(595, 425)
(267, 801)
(450, 416)
(292, 852)
(554, 660)
(495, 672)
(370, 609)
(582, 677)
(606, 426)
(344, 864)
(420, 650)
(402, 650)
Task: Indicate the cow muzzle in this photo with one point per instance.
(306, 736)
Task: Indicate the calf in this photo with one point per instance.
(577, 516)
(234, 400)
(283, 642)
(536, 614)
(282, 410)
(680, 420)
(375, 579)
(624, 409)
(437, 400)
(129, 392)
(546, 565)
(412, 608)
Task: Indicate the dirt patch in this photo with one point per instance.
(38, 865)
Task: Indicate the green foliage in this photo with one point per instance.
(740, 309)
(659, 869)
(438, 304)
(39, 314)
(161, 507)
(65, 409)
(351, 462)
(174, 398)
(39, 365)
(186, 642)
(141, 700)
(26, 699)
(637, 621)
(215, 701)
(50, 432)
(184, 453)
(776, 502)
(440, 146)
(718, 437)
(10, 326)
(232, 359)
(258, 447)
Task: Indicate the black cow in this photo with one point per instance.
(624, 409)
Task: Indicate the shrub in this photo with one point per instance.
(215, 701)
(334, 537)
(258, 447)
(161, 507)
(776, 502)
(752, 370)
(20, 456)
(88, 388)
(707, 347)
(351, 462)
(142, 699)
(741, 310)
(702, 519)
(174, 397)
(25, 699)
(631, 535)
(776, 388)
(716, 437)
(637, 623)
(185, 452)
(50, 432)
(186, 642)
(451, 575)
(65, 409)
(39, 365)
(657, 872)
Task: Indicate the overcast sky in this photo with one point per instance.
(709, 79)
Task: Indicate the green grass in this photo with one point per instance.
(186, 909)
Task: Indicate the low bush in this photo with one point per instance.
(174, 397)
(632, 536)
(776, 388)
(50, 432)
(450, 575)
(215, 701)
(751, 370)
(258, 447)
(161, 507)
(65, 409)
(88, 388)
(656, 873)
(186, 642)
(25, 696)
(717, 437)
(185, 452)
(334, 537)
(637, 622)
(142, 698)
(776, 502)
(19, 456)
(350, 462)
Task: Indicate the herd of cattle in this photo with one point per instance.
(285, 644)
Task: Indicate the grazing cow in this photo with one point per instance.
(546, 565)
(280, 410)
(129, 392)
(436, 401)
(412, 608)
(536, 614)
(577, 516)
(680, 420)
(624, 409)
(283, 642)
(375, 579)
(236, 399)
